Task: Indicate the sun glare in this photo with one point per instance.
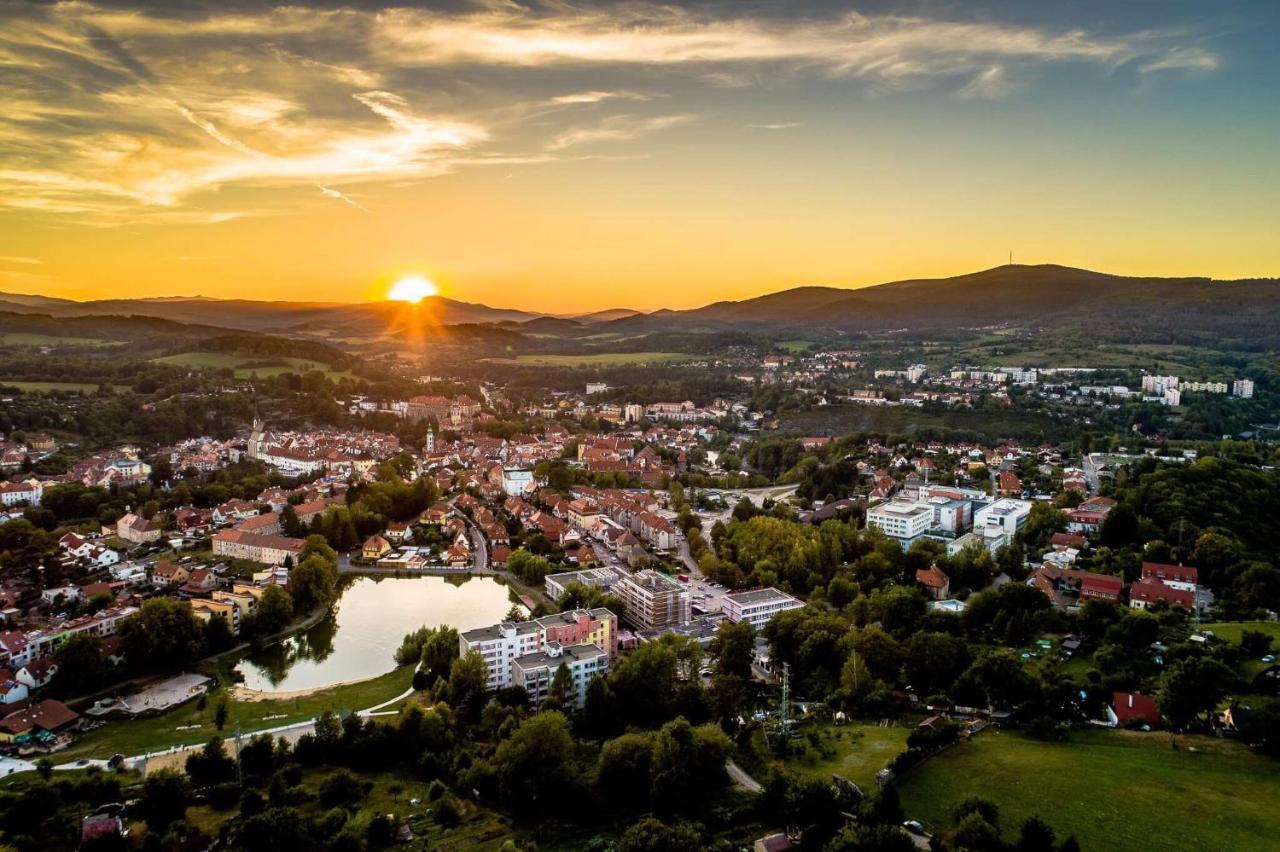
(411, 288)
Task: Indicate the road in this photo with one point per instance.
(739, 777)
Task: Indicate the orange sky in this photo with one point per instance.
(654, 157)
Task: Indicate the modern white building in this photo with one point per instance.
(902, 520)
(501, 645)
(536, 671)
(998, 522)
(757, 606)
(1242, 388)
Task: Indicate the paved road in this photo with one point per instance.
(739, 777)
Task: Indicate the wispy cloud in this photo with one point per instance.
(595, 97)
(1187, 58)
(25, 261)
(783, 125)
(117, 115)
(617, 128)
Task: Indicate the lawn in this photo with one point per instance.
(600, 359)
(19, 338)
(132, 737)
(55, 387)
(1115, 790)
(1231, 631)
(855, 751)
(229, 361)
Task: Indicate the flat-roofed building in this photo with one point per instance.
(502, 644)
(757, 606)
(902, 520)
(652, 600)
(535, 672)
(600, 578)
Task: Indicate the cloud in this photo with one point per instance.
(333, 193)
(989, 84)
(117, 115)
(596, 97)
(617, 128)
(26, 261)
(785, 125)
(1189, 58)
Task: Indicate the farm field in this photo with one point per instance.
(1114, 790)
(601, 359)
(241, 364)
(19, 338)
(56, 387)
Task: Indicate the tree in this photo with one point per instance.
(625, 767)
(1191, 687)
(599, 716)
(80, 666)
(1035, 836)
(534, 765)
(734, 648)
(220, 713)
(560, 693)
(164, 799)
(439, 651)
(468, 681)
(274, 612)
(1120, 527)
(164, 634)
(880, 651)
(653, 835)
(934, 661)
(210, 765)
(313, 582)
(688, 764)
(644, 682)
(856, 680)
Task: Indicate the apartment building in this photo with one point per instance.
(652, 601)
(266, 549)
(502, 644)
(902, 520)
(998, 522)
(757, 606)
(535, 672)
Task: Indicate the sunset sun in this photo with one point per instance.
(411, 288)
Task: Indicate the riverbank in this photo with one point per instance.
(240, 692)
(192, 724)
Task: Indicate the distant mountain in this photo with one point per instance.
(278, 317)
(1029, 296)
(608, 315)
(1044, 297)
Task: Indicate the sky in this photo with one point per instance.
(569, 157)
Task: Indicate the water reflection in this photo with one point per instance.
(358, 638)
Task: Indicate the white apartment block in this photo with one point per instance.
(757, 606)
(902, 520)
(998, 522)
(501, 645)
(536, 671)
(1242, 388)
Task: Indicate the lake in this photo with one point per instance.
(360, 635)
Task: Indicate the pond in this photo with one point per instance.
(360, 635)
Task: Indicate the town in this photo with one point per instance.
(947, 584)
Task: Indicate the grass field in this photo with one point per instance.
(860, 751)
(56, 387)
(160, 732)
(1231, 631)
(601, 359)
(19, 338)
(1115, 790)
(228, 361)
(796, 346)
